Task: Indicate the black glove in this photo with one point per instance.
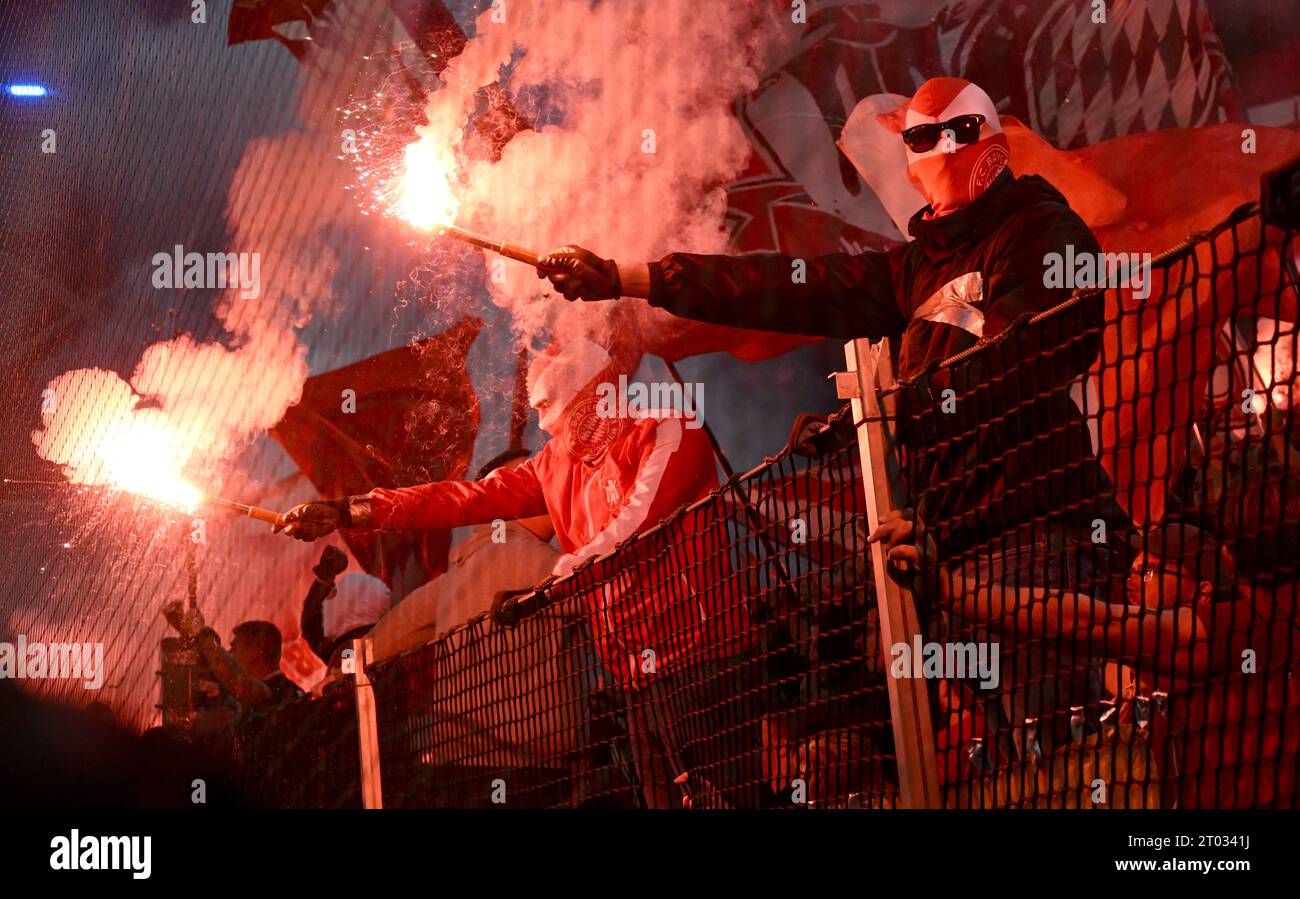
(332, 563)
(580, 274)
(814, 436)
(311, 521)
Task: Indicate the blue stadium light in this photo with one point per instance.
(27, 90)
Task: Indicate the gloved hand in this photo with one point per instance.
(580, 274)
(332, 563)
(310, 521)
(186, 619)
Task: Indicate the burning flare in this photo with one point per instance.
(425, 197)
(139, 457)
(96, 429)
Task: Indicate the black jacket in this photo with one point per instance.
(1015, 448)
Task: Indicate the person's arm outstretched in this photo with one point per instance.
(506, 493)
(840, 295)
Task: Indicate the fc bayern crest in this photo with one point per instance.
(587, 433)
(990, 164)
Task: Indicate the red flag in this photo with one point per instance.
(291, 22)
(1177, 182)
(400, 418)
(1147, 193)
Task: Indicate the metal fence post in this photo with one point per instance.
(870, 369)
(372, 793)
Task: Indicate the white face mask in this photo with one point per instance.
(555, 381)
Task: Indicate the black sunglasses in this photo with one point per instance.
(965, 130)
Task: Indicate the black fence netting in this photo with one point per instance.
(1104, 502)
(726, 658)
(729, 657)
(302, 754)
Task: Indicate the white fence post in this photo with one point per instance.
(372, 793)
(870, 369)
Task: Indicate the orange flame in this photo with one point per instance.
(425, 196)
(96, 429)
(138, 455)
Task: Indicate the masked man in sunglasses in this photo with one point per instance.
(1005, 479)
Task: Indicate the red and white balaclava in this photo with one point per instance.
(950, 175)
(563, 382)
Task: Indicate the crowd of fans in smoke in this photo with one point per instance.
(1143, 638)
(1142, 646)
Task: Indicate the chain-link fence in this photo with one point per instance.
(728, 657)
(302, 754)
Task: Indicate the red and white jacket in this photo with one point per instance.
(652, 467)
